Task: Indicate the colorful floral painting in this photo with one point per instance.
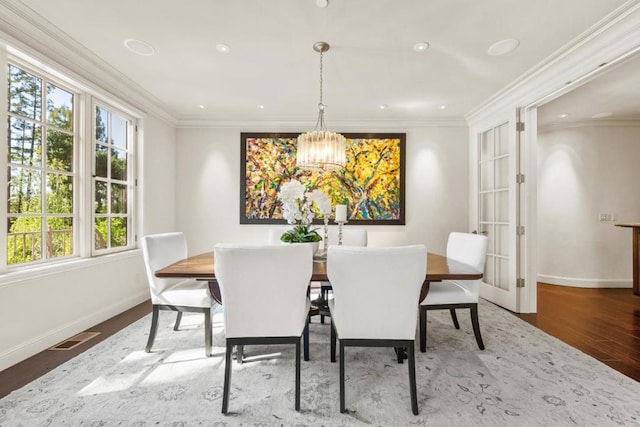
(371, 183)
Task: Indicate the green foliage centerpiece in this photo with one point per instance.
(296, 209)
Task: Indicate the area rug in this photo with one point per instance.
(523, 378)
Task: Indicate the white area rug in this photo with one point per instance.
(523, 378)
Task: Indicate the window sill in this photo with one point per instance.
(21, 275)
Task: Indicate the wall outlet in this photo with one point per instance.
(605, 217)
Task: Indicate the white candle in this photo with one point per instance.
(341, 213)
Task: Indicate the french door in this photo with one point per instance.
(496, 158)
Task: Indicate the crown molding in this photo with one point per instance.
(36, 37)
(612, 38)
(337, 126)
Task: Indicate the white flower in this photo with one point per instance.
(291, 191)
(321, 200)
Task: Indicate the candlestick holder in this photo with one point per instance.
(322, 253)
(340, 225)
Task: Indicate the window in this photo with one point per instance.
(112, 181)
(46, 156)
(42, 169)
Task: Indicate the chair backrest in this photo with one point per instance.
(161, 250)
(376, 290)
(351, 236)
(264, 288)
(470, 249)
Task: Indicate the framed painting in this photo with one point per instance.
(371, 184)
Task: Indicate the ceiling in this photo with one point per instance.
(371, 61)
(613, 95)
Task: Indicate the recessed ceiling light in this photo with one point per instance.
(421, 46)
(139, 47)
(602, 115)
(564, 115)
(502, 47)
(443, 107)
(322, 3)
(261, 107)
(200, 106)
(382, 106)
(223, 48)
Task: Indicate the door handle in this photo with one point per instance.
(482, 232)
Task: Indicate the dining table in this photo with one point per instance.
(202, 267)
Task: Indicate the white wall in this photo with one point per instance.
(38, 309)
(158, 173)
(583, 171)
(208, 188)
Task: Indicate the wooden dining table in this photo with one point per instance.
(202, 267)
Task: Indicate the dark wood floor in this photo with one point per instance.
(604, 323)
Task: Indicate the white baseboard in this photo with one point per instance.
(23, 351)
(585, 283)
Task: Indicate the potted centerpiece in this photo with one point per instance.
(296, 209)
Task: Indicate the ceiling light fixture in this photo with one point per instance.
(321, 149)
(443, 107)
(421, 46)
(563, 115)
(223, 48)
(201, 106)
(383, 106)
(261, 107)
(503, 47)
(139, 47)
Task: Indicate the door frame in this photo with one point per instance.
(607, 43)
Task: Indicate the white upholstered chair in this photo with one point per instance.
(264, 289)
(470, 249)
(351, 236)
(358, 277)
(161, 250)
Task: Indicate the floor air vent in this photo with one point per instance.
(75, 341)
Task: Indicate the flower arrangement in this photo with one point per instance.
(296, 209)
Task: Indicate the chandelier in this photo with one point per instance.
(321, 149)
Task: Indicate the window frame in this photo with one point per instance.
(46, 78)
(85, 97)
(131, 178)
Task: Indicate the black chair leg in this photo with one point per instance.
(333, 343)
(154, 329)
(454, 317)
(343, 408)
(178, 319)
(227, 378)
(208, 338)
(305, 340)
(298, 375)
(476, 325)
(239, 354)
(423, 328)
(412, 379)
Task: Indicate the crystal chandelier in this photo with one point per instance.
(321, 149)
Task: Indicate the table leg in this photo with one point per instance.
(214, 289)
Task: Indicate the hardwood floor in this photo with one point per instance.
(28, 370)
(604, 323)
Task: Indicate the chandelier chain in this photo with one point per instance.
(321, 77)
